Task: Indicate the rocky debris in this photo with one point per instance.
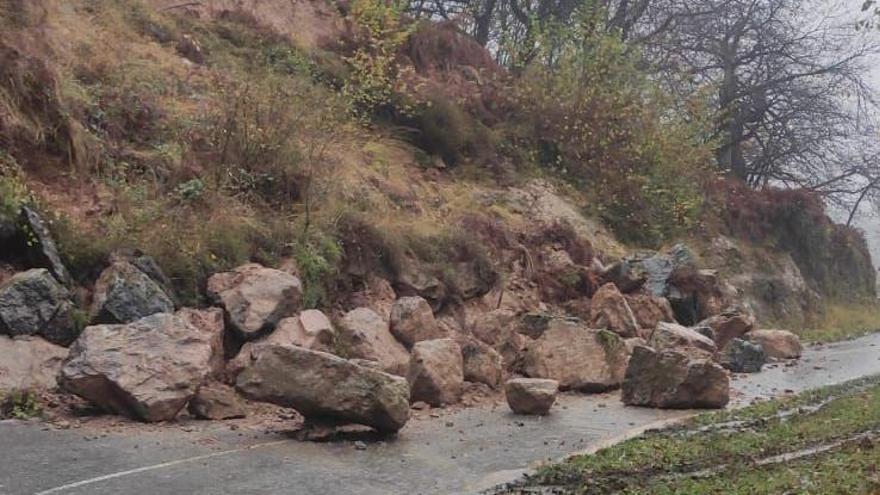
(470, 279)
(124, 294)
(377, 295)
(742, 356)
(148, 369)
(412, 320)
(414, 280)
(650, 310)
(482, 364)
(28, 363)
(365, 335)
(216, 401)
(495, 326)
(729, 325)
(255, 298)
(513, 351)
(623, 275)
(148, 266)
(42, 250)
(698, 294)
(35, 303)
(705, 331)
(436, 372)
(533, 325)
(210, 322)
(578, 358)
(777, 344)
(676, 337)
(671, 379)
(324, 386)
(531, 395)
(649, 270)
(610, 311)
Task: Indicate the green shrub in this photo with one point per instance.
(20, 404)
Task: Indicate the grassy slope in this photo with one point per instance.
(733, 451)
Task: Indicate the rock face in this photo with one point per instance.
(676, 337)
(610, 311)
(124, 294)
(531, 395)
(210, 323)
(778, 344)
(28, 363)
(34, 303)
(436, 372)
(365, 335)
(671, 379)
(148, 369)
(742, 356)
(650, 310)
(42, 250)
(412, 320)
(322, 385)
(482, 364)
(728, 326)
(255, 298)
(578, 358)
(216, 401)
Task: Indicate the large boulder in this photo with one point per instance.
(495, 326)
(148, 369)
(42, 250)
(216, 401)
(482, 363)
(124, 294)
(436, 372)
(610, 311)
(531, 395)
(742, 356)
(320, 385)
(35, 303)
(148, 266)
(28, 363)
(650, 310)
(729, 325)
(676, 337)
(778, 344)
(212, 325)
(672, 379)
(364, 334)
(412, 320)
(255, 298)
(578, 358)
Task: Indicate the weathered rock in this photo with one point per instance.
(778, 344)
(210, 322)
(436, 372)
(676, 337)
(376, 294)
(148, 266)
(148, 369)
(42, 250)
(28, 363)
(698, 294)
(513, 351)
(650, 310)
(470, 279)
(255, 298)
(578, 358)
(728, 326)
(742, 356)
(534, 325)
(610, 311)
(124, 294)
(495, 326)
(216, 401)
(365, 335)
(322, 385)
(671, 379)
(34, 303)
(482, 364)
(412, 320)
(531, 395)
(414, 280)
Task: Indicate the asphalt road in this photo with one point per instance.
(462, 452)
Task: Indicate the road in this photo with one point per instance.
(462, 452)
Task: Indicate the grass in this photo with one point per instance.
(844, 321)
(722, 452)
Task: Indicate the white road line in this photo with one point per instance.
(154, 467)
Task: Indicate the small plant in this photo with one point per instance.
(20, 404)
(191, 190)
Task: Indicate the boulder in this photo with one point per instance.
(778, 344)
(42, 250)
(650, 310)
(436, 372)
(671, 379)
(124, 294)
(255, 298)
(531, 395)
(513, 351)
(29, 363)
(148, 266)
(676, 337)
(578, 358)
(365, 335)
(414, 280)
(210, 322)
(610, 311)
(728, 326)
(742, 356)
(148, 369)
(376, 294)
(216, 401)
(495, 326)
(320, 385)
(412, 320)
(482, 364)
(35, 303)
